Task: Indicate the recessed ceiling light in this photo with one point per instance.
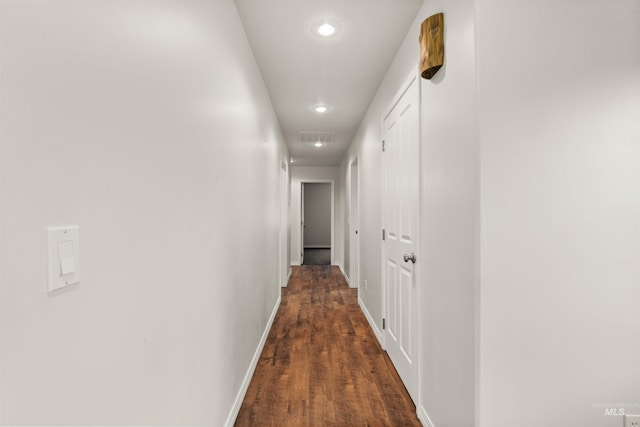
(318, 144)
(320, 108)
(326, 29)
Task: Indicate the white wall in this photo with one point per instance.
(530, 212)
(301, 174)
(317, 215)
(450, 218)
(559, 109)
(449, 212)
(148, 125)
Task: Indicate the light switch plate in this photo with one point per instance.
(63, 251)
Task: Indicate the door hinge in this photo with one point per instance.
(384, 234)
(384, 146)
(384, 323)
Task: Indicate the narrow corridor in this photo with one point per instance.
(322, 364)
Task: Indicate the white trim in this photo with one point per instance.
(231, 419)
(295, 264)
(420, 247)
(403, 89)
(344, 274)
(283, 240)
(373, 325)
(424, 417)
(354, 239)
(286, 282)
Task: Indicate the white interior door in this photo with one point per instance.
(400, 161)
(354, 222)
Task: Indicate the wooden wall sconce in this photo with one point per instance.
(431, 45)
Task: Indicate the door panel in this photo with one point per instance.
(400, 220)
(405, 289)
(392, 300)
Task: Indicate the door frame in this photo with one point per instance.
(317, 181)
(284, 267)
(417, 317)
(354, 239)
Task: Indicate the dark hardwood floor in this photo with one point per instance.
(322, 364)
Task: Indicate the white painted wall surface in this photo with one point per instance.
(148, 125)
(449, 212)
(317, 215)
(559, 110)
(450, 219)
(559, 205)
(300, 174)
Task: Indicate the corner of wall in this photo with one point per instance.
(377, 332)
(237, 403)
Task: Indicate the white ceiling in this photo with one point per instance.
(302, 69)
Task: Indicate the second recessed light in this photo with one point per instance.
(320, 108)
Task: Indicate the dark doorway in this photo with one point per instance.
(317, 256)
(316, 224)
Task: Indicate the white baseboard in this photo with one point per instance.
(231, 419)
(424, 417)
(286, 281)
(373, 325)
(344, 274)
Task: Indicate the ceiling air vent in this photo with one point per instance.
(307, 137)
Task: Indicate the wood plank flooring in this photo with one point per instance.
(322, 364)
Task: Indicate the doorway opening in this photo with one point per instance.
(353, 266)
(316, 233)
(285, 201)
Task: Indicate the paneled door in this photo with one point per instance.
(401, 208)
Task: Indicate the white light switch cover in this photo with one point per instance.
(63, 250)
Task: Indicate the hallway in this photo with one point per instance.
(321, 364)
(173, 138)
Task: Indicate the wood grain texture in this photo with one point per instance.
(322, 364)
(431, 45)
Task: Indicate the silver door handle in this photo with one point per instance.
(411, 258)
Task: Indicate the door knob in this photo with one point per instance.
(411, 258)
